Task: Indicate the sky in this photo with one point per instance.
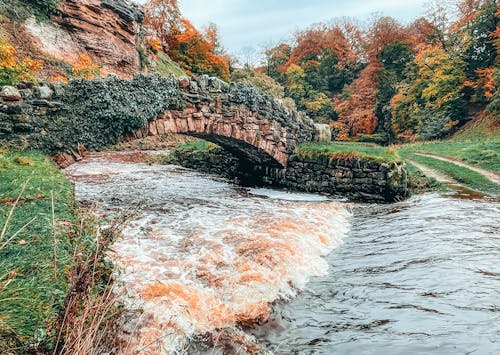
(247, 26)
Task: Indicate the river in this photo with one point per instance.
(206, 266)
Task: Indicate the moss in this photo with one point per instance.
(348, 150)
(165, 66)
(196, 146)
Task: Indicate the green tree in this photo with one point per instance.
(432, 102)
(395, 58)
(474, 42)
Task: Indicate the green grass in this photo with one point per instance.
(369, 151)
(196, 146)
(484, 154)
(462, 175)
(38, 280)
(166, 66)
(484, 127)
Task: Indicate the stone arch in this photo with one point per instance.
(63, 119)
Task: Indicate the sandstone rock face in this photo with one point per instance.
(105, 30)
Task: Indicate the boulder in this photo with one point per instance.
(44, 92)
(323, 133)
(10, 93)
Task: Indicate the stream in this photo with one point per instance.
(206, 266)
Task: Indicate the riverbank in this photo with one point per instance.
(52, 264)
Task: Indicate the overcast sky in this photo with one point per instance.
(257, 23)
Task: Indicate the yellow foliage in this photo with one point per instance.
(7, 59)
(155, 44)
(13, 70)
(59, 78)
(85, 68)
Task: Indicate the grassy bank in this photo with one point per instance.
(44, 249)
(35, 255)
(369, 151)
(462, 175)
(484, 154)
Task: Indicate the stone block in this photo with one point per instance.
(10, 93)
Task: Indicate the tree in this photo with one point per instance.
(395, 58)
(275, 59)
(431, 102)
(474, 39)
(162, 21)
(358, 110)
(196, 52)
(259, 80)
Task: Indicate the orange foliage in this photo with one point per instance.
(341, 129)
(59, 78)
(420, 32)
(496, 36)
(486, 81)
(162, 21)
(7, 56)
(467, 13)
(312, 43)
(155, 44)
(14, 70)
(358, 111)
(85, 67)
(196, 52)
(383, 31)
(32, 65)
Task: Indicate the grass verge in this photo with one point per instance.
(463, 175)
(43, 249)
(484, 154)
(368, 151)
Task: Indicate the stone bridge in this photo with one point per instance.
(66, 120)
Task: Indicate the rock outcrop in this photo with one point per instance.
(106, 30)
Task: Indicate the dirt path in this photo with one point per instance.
(487, 174)
(431, 173)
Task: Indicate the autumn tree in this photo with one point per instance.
(387, 53)
(431, 102)
(196, 52)
(395, 59)
(473, 39)
(162, 21)
(275, 60)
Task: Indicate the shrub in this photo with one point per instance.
(85, 68)
(378, 138)
(11, 70)
(43, 8)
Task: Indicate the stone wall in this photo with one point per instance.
(64, 120)
(358, 178)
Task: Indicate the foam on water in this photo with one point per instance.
(202, 257)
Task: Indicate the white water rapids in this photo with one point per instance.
(202, 255)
